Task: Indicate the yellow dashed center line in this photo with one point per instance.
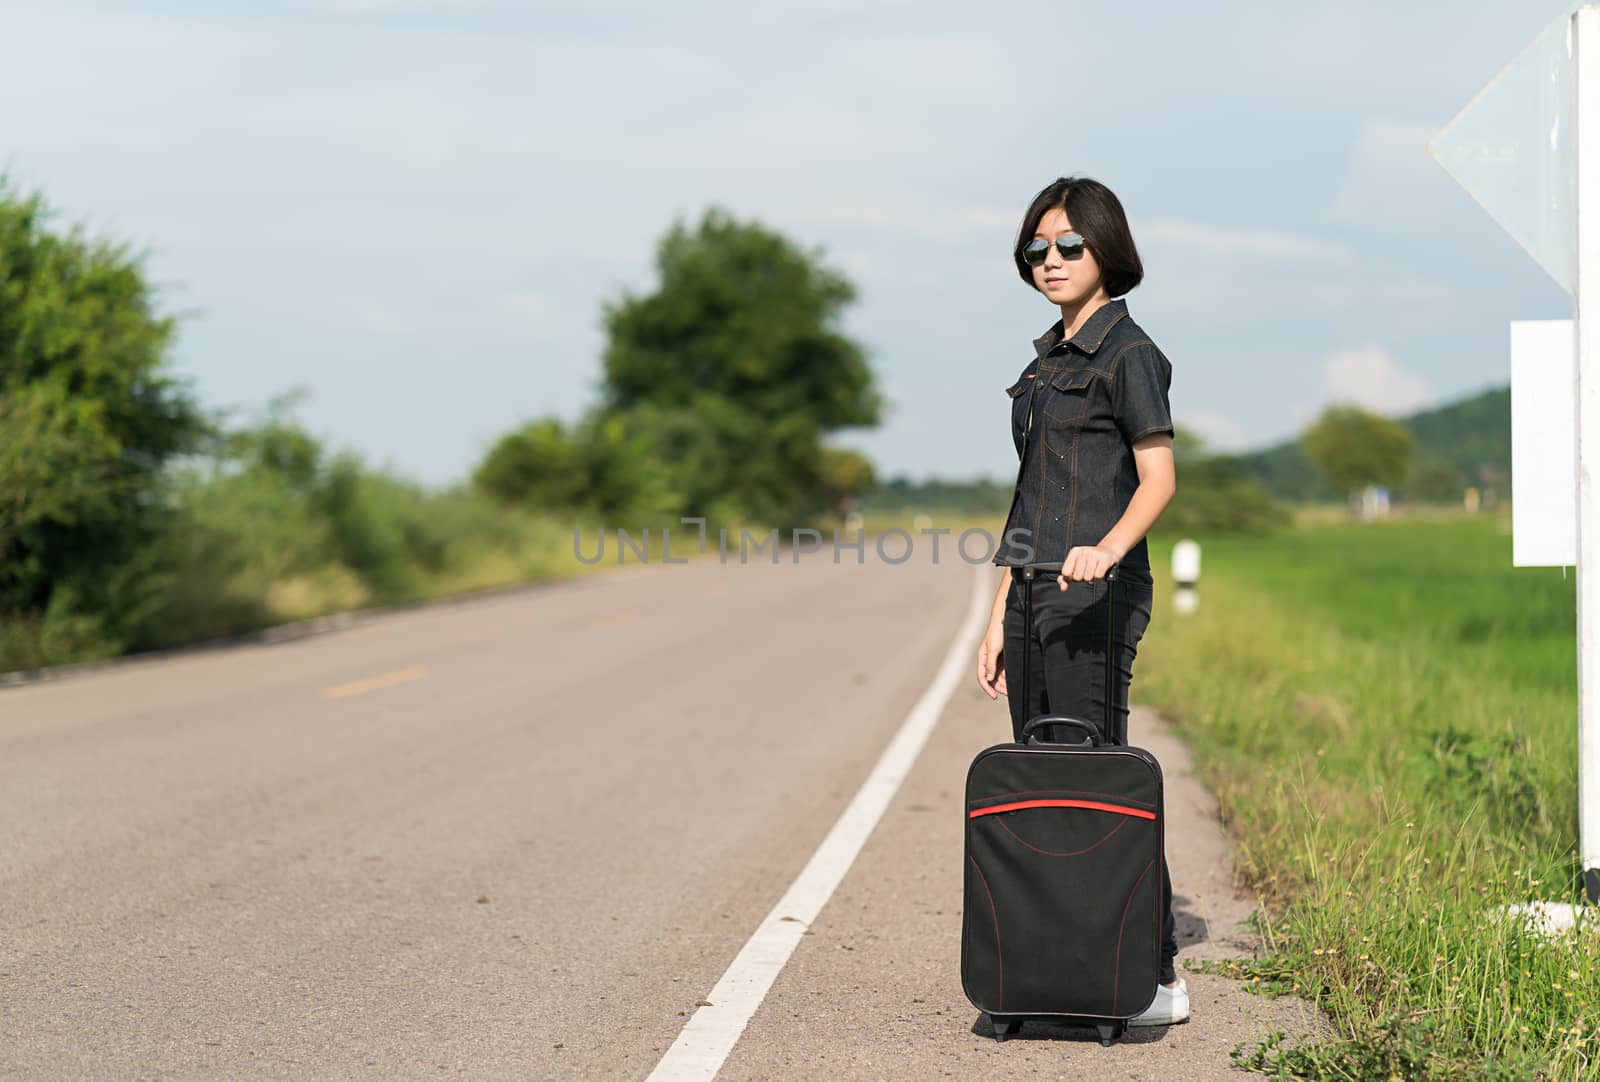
(616, 619)
(360, 687)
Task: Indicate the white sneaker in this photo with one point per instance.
(1170, 1007)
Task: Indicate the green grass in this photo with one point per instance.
(1387, 715)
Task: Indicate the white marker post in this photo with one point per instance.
(1527, 148)
(1186, 573)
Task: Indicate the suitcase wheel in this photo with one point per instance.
(1004, 1027)
(1111, 1032)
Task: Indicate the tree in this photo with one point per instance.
(1353, 448)
(606, 465)
(736, 362)
(89, 418)
(846, 476)
(537, 466)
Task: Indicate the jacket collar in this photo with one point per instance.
(1091, 335)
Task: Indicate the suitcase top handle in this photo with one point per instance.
(1086, 728)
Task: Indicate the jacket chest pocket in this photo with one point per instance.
(1071, 399)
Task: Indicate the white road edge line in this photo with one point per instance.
(712, 1031)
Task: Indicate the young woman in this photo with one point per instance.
(1091, 412)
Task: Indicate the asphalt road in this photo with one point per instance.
(523, 836)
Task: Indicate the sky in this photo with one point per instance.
(415, 209)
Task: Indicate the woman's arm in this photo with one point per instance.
(997, 611)
(991, 667)
(1158, 480)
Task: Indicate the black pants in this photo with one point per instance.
(1067, 665)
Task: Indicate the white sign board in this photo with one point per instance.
(1512, 149)
(1544, 510)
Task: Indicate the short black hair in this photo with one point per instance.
(1096, 215)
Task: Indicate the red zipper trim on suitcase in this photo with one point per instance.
(1116, 966)
(1093, 805)
(999, 955)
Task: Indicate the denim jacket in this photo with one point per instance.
(1076, 411)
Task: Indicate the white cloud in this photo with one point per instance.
(1390, 178)
(1211, 274)
(895, 215)
(1368, 377)
(1225, 242)
(386, 7)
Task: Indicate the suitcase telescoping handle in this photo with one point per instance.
(1030, 731)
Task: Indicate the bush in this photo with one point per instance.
(89, 421)
(1217, 495)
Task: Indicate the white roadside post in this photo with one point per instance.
(1586, 26)
(1527, 148)
(1186, 573)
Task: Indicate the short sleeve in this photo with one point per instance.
(1139, 392)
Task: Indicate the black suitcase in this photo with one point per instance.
(1062, 916)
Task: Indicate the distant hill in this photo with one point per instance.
(1463, 443)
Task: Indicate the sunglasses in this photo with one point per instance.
(1070, 245)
